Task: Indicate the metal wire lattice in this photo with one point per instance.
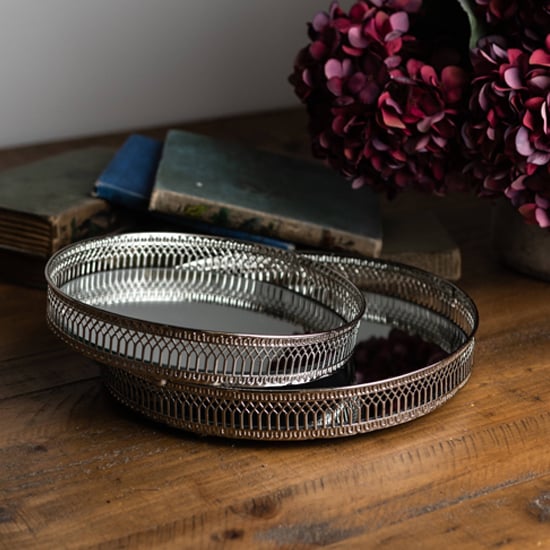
(234, 385)
(86, 278)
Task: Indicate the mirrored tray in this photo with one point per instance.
(202, 310)
(397, 296)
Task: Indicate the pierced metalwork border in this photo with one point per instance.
(397, 295)
(293, 414)
(199, 356)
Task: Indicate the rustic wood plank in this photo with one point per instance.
(376, 492)
(519, 507)
(23, 329)
(419, 465)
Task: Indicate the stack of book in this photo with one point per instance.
(224, 187)
(192, 182)
(46, 205)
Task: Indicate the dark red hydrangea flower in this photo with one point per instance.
(507, 134)
(495, 11)
(384, 95)
(524, 23)
(488, 132)
(386, 83)
(511, 15)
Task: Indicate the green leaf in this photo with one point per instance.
(476, 28)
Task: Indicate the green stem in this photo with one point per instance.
(476, 28)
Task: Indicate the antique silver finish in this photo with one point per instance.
(320, 399)
(102, 294)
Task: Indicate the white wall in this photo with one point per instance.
(72, 68)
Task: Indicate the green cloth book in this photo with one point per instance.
(47, 204)
(278, 196)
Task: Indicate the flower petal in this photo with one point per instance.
(538, 158)
(335, 86)
(542, 202)
(333, 68)
(318, 49)
(518, 184)
(523, 146)
(528, 211)
(356, 37)
(512, 77)
(542, 217)
(357, 183)
(392, 120)
(540, 57)
(400, 21)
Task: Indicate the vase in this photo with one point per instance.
(521, 246)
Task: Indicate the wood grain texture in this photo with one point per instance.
(80, 471)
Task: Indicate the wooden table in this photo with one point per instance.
(80, 471)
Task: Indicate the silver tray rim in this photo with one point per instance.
(347, 328)
(257, 398)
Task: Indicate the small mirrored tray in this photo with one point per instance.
(399, 298)
(186, 308)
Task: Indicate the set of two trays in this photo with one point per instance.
(234, 339)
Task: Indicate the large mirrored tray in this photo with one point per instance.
(168, 306)
(397, 296)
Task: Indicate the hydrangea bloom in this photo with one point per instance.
(405, 93)
(384, 102)
(507, 133)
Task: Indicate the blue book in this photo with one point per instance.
(128, 181)
(129, 177)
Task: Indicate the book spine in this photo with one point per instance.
(129, 177)
(271, 226)
(198, 226)
(93, 218)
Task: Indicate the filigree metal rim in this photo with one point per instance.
(245, 360)
(292, 414)
(279, 414)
